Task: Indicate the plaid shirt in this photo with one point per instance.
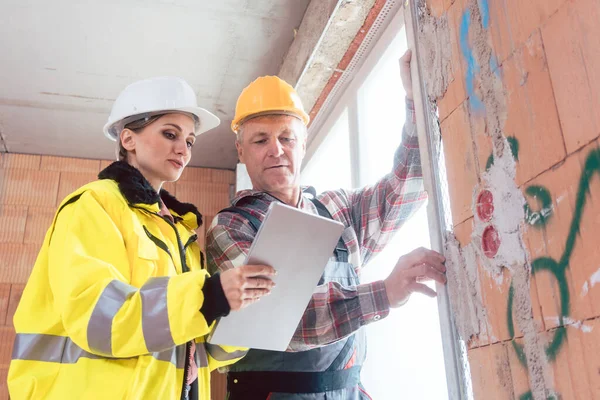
(371, 216)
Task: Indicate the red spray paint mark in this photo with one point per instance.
(485, 205)
(490, 241)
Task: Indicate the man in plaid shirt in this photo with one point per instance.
(324, 357)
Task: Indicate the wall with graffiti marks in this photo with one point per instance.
(520, 131)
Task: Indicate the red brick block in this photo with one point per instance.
(3, 384)
(32, 188)
(491, 372)
(456, 92)
(591, 348)
(513, 21)
(105, 163)
(201, 232)
(16, 292)
(16, 262)
(532, 115)
(571, 369)
(170, 187)
(460, 163)
(7, 338)
(573, 52)
(210, 198)
(39, 220)
(222, 176)
(564, 237)
(67, 164)
(12, 223)
(71, 181)
(20, 161)
(193, 174)
(4, 301)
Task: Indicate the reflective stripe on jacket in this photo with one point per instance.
(108, 309)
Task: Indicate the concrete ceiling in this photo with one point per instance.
(64, 62)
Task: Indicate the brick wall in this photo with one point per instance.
(539, 324)
(32, 186)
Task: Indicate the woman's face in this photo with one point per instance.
(162, 149)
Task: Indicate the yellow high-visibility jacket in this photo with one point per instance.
(108, 311)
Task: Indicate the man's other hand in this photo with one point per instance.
(413, 268)
(405, 73)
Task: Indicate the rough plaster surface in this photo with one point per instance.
(464, 289)
(435, 53)
(343, 27)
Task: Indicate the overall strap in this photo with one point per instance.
(341, 251)
(254, 222)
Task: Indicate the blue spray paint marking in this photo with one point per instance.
(467, 51)
(484, 9)
(472, 67)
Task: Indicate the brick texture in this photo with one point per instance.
(71, 181)
(570, 39)
(460, 163)
(532, 115)
(20, 161)
(32, 186)
(4, 301)
(29, 187)
(548, 55)
(456, 92)
(65, 164)
(12, 221)
(39, 220)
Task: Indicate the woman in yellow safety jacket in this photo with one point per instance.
(119, 303)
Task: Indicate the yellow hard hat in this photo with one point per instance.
(268, 95)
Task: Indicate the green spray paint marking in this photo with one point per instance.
(592, 165)
(539, 218)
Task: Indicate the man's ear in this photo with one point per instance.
(240, 151)
(127, 139)
(304, 141)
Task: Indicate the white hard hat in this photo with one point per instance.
(156, 95)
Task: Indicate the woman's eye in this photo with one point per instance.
(190, 144)
(170, 135)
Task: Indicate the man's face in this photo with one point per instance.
(272, 147)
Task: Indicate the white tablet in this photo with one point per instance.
(298, 245)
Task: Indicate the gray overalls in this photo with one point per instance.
(330, 372)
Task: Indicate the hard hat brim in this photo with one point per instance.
(206, 119)
(302, 116)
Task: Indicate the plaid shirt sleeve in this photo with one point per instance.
(377, 212)
(334, 311)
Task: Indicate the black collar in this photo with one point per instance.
(137, 190)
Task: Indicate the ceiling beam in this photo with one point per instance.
(327, 31)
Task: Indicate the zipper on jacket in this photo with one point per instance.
(159, 243)
(191, 240)
(184, 268)
(184, 392)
